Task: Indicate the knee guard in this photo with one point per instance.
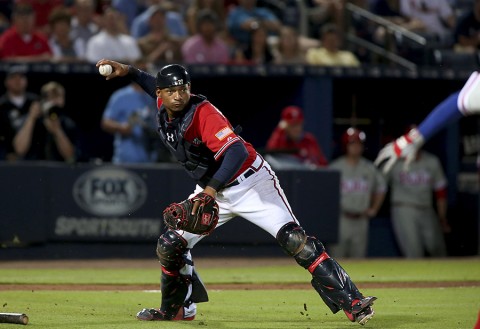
(171, 249)
(295, 242)
(329, 279)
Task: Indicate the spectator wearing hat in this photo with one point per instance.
(362, 192)
(22, 42)
(290, 142)
(206, 46)
(33, 127)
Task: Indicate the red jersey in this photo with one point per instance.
(307, 150)
(212, 128)
(13, 45)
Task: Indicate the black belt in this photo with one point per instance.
(247, 174)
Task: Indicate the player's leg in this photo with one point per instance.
(340, 249)
(329, 279)
(359, 238)
(181, 286)
(407, 233)
(176, 280)
(261, 200)
(432, 234)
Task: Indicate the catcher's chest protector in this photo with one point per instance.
(196, 159)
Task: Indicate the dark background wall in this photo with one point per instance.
(380, 102)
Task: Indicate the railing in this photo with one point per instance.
(394, 31)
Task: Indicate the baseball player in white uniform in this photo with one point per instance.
(362, 191)
(417, 226)
(227, 168)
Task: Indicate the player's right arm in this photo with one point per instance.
(144, 79)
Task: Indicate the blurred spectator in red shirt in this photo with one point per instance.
(21, 42)
(290, 139)
(42, 9)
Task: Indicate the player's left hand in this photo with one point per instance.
(198, 215)
(406, 147)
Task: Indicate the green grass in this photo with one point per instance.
(421, 308)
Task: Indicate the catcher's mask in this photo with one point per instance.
(172, 75)
(352, 135)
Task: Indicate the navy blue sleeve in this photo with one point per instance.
(233, 159)
(144, 79)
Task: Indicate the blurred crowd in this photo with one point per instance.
(316, 32)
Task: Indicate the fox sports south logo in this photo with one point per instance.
(110, 191)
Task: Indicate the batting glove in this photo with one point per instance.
(405, 147)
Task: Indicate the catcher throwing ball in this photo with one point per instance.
(232, 180)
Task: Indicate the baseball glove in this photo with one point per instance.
(178, 216)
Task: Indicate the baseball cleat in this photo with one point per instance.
(152, 314)
(362, 310)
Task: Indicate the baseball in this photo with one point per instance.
(105, 70)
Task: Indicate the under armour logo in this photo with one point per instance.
(170, 137)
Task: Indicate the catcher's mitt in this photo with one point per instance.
(178, 216)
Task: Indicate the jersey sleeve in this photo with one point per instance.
(214, 129)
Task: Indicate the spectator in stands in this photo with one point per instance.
(258, 51)
(42, 9)
(110, 42)
(246, 18)
(290, 143)
(288, 49)
(437, 17)
(195, 6)
(64, 47)
(15, 105)
(21, 42)
(321, 12)
(158, 46)
(390, 10)
(206, 46)
(84, 21)
(467, 30)
(330, 53)
(174, 20)
(130, 117)
(36, 128)
(129, 9)
(362, 192)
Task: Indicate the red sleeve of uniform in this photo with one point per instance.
(277, 140)
(214, 129)
(441, 193)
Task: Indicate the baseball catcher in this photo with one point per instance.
(232, 180)
(198, 215)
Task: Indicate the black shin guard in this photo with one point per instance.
(174, 289)
(334, 285)
(171, 249)
(329, 279)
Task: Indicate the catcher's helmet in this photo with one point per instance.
(172, 75)
(353, 135)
